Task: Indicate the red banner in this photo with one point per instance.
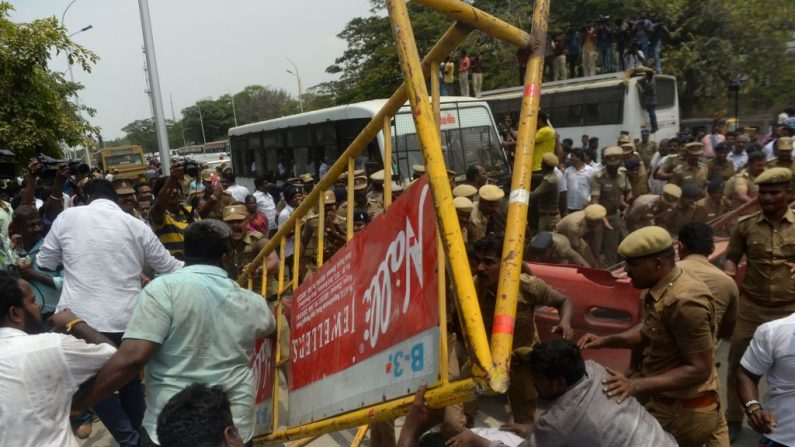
(263, 367)
(376, 292)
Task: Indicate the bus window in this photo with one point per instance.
(666, 92)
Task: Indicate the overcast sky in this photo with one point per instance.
(205, 48)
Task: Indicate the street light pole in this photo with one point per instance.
(201, 121)
(300, 86)
(154, 79)
(234, 112)
(86, 152)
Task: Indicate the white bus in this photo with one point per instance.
(598, 106)
(311, 142)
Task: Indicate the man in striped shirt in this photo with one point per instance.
(169, 217)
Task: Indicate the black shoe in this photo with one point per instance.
(735, 429)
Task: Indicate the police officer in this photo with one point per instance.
(377, 192)
(360, 186)
(741, 188)
(720, 166)
(418, 171)
(783, 155)
(490, 196)
(767, 240)
(545, 197)
(463, 207)
(637, 176)
(580, 228)
(686, 210)
(466, 190)
(611, 189)
(215, 198)
(692, 171)
(714, 205)
(651, 209)
(532, 292)
(676, 368)
(554, 248)
(645, 147)
(333, 235)
(676, 156)
(245, 247)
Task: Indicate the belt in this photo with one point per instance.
(768, 303)
(705, 400)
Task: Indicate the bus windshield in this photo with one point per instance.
(124, 159)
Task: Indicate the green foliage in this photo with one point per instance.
(142, 132)
(36, 110)
(711, 42)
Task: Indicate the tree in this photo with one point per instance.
(257, 103)
(142, 132)
(36, 112)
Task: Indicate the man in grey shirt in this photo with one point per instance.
(579, 413)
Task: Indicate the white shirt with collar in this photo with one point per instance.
(267, 206)
(102, 250)
(283, 216)
(38, 376)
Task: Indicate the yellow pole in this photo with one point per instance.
(357, 440)
(440, 186)
(296, 254)
(264, 289)
(321, 228)
(442, 292)
(277, 354)
(387, 162)
(437, 106)
(513, 246)
(351, 199)
(487, 23)
(443, 396)
(451, 39)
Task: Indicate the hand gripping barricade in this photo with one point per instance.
(364, 368)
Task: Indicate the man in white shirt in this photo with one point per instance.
(265, 202)
(293, 196)
(771, 352)
(239, 192)
(578, 181)
(103, 251)
(39, 373)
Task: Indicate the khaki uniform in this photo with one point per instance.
(373, 208)
(532, 292)
(546, 199)
(217, 212)
(725, 294)
(743, 181)
(575, 227)
(685, 173)
(710, 210)
(608, 192)
(680, 216)
(768, 292)
(253, 243)
(644, 213)
(640, 185)
(672, 162)
(331, 244)
(479, 224)
(724, 169)
(679, 319)
(563, 253)
(646, 151)
(774, 163)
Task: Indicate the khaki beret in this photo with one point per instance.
(329, 198)
(784, 144)
(491, 193)
(613, 155)
(234, 212)
(550, 159)
(344, 175)
(307, 178)
(671, 193)
(420, 169)
(359, 183)
(377, 176)
(463, 204)
(644, 242)
(694, 148)
(774, 176)
(595, 212)
(295, 181)
(465, 190)
(627, 147)
(397, 187)
(123, 188)
(207, 174)
(623, 139)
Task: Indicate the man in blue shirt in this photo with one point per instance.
(193, 325)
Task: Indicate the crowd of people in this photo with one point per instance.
(105, 276)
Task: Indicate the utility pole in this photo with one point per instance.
(300, 85)
(234, 113)
(174, 118)
(157, 101)
(201, 121)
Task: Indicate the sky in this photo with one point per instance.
(204, 48)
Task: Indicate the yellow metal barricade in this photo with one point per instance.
(490, 362)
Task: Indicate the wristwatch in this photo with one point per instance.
(751, 407)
